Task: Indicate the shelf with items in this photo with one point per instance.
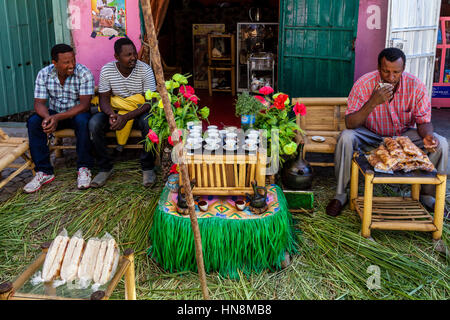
(260, 71)
(254, 38)
(441, 81)
(221, 63)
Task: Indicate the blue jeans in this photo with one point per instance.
(99, 125)
(39, 149)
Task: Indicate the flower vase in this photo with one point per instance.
(247, 121)
(297, 174)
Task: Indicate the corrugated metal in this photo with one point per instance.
(316, 56)
(412, 26)
(26, 37)
(60, 15)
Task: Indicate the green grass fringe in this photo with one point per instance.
(229, 245)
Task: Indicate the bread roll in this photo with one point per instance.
(100, 260)
(71, 262)
(108, 262)
(54, 258)
(89, 259)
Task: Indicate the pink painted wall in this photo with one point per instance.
(370, 39)
(95, 53)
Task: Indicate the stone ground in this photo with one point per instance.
(440, 119)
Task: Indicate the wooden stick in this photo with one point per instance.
(159, 73)
(130, 278)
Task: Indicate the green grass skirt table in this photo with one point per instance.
(232, 240)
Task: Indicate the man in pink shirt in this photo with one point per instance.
(384, 103)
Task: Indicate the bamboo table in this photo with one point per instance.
(11, 291)
(396, 213)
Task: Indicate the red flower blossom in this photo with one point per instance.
(266, 90)
(193, 98)
(187, 91)
(153, 136)
(299, 108)
(177, 104)
(173, 169)
(260, 99)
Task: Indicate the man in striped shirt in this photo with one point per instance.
(384, 103)
(127, 77)
(67, 87)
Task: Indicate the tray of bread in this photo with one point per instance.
(399, 154)
(73, 260)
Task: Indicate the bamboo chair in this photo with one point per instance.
(12, 149)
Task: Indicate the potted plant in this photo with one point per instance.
(185, 108)
(246, 108)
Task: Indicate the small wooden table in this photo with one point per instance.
(396, 213)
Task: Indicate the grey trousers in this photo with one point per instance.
(362, 139)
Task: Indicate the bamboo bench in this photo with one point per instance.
(324, 117)
(11, 149)
(57, 146)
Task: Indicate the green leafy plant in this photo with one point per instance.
(185, 108)
(247, 105)
(276, 116)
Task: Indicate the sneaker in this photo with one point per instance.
(148, 178)
(100, 179)
(38, 181)
(84, 178)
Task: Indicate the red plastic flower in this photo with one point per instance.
(266, 90)
(260, 99)
(153, 136)
(173, 169)
(194, 99)
(280, 100)
(187, 91)
(299, 108)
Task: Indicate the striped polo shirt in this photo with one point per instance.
(139, 81)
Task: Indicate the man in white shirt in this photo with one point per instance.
(126, 78)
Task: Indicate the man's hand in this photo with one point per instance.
(49, 124)
(430, 143)
(117, 121)
(383, 93)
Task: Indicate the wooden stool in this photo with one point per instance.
(396, 213)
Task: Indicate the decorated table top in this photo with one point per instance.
(224, 206)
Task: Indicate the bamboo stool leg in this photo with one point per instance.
(368, 197)
(439, 204)
(353, 184)
(130, 282)
(415, 191)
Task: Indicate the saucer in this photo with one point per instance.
(250, 148)
(211, 148)
(230, 148)
(318, 139)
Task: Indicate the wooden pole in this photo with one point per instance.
(354, 184)
(159, 74)
(368, 197)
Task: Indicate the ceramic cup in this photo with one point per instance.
(231, 135)
(212, 141)
(197, 127)
(230, 142)
(240, 205)
(253, 136)
(212, 127)
(203, 205)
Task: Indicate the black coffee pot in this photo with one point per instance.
(182, 201)
(258, 200)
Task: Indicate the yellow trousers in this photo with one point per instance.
(123, 106)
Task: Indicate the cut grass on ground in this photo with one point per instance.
(332, 264)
